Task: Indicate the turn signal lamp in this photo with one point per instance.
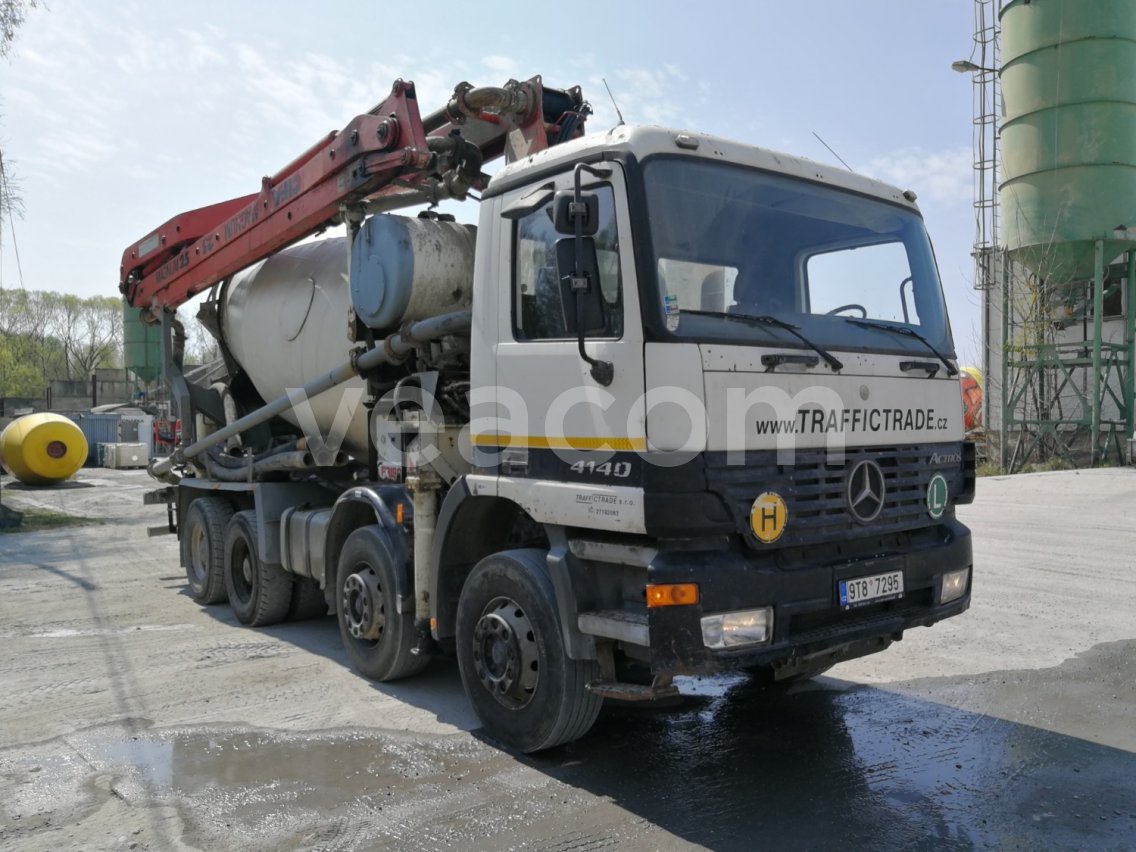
(672, 594)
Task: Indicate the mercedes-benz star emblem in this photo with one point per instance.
(866, 491)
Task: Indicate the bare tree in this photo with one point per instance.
(200, 345)
(11, 200)
(91, 331)
(12, 14)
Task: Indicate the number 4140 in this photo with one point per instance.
(621, 470)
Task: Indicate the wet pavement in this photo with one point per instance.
(735, 766)
(140, 721)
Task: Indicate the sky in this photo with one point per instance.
(115, 116)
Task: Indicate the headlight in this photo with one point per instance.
(954, 585)
(733, 629)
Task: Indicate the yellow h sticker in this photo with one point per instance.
(768, 517)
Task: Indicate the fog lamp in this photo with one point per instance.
(954, 585)
(733, 629)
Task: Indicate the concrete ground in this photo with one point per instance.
(132, 718)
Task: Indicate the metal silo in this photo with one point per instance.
(1068, 132)
(142, 345)
(1068, 218)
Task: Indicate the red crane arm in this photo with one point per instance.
(390, 153)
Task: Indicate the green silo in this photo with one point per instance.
(142, 345)
(1068, 133)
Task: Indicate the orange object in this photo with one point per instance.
(672, 594)
(970, 378)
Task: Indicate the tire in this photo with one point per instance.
(307, 600)
(379, 639)
(203, 548)
(260, 593)
(524, 688)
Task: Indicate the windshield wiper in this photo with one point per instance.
(952, 370)
(766, 320)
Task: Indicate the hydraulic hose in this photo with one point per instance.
(281, 462)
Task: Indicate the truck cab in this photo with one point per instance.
(767, 479)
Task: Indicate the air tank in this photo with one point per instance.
(285, 319)
(1069, 120)
(42, 449)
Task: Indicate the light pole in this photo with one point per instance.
(987, 255)
(965, 66)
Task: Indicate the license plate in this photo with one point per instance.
(878, 587)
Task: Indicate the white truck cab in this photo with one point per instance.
(767, 476)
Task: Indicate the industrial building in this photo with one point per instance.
(1055, 238)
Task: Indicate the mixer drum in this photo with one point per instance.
(285, 319)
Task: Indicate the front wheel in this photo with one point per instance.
(524, 688)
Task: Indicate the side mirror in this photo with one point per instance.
(584, 310)
(568, 209)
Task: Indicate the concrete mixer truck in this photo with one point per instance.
(676, 405)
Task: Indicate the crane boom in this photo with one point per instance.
(389, 157)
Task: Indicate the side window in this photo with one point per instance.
(543, 306)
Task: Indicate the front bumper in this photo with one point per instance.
(802, 589)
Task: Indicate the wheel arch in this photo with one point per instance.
(469, 528)
(361, 507)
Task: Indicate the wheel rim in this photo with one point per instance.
(364, 605)
(198, 555)
(505, 655)
(242, 573)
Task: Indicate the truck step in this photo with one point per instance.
(662, 689)
(619, 624)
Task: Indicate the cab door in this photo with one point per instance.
(555, 421)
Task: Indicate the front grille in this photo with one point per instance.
(814, 490)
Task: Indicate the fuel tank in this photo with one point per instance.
(285, 320)
(42, 449)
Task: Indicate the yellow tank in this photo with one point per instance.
(41, 449)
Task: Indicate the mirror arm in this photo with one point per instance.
(602, 371)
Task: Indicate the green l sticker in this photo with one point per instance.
(937, 493)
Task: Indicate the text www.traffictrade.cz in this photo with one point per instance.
(814, 421)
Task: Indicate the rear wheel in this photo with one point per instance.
(203, 548)
(260, 593)
(526, 691)
(379, 639)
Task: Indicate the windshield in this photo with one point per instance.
(729, 241)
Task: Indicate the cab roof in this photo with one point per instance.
(645, 141)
